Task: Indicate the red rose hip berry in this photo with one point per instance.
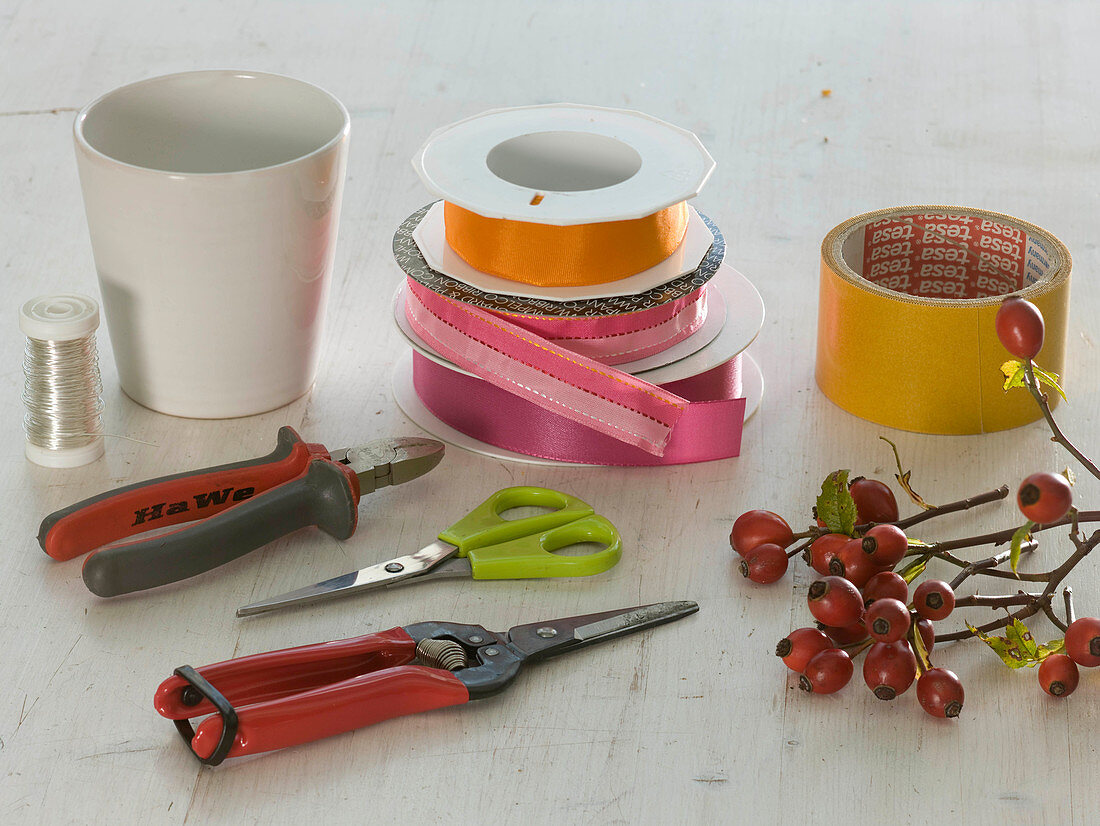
(887, 620)
(1044, 497)
(885, 584)
(934, 599)
(853, 564)
(800, 646)
(1058, 675)
(1020, 328)
(889, 669)
(835, 601)
(886, 545)
(827, 672)
(764, 564)
(875, 501)
(757, 527)
(1083, 641)
(824, 548)
(940, 693)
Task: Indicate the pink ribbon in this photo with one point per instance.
(710, 427)
(512, 353)
(615, 339)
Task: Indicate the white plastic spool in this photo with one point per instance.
(563, 164)
(58, 318)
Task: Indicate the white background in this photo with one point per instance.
(985, 104)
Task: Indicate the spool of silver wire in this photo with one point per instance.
(62, 391)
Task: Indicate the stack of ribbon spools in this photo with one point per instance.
(563, 301)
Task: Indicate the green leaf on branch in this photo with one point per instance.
(916, 641)
(1001, 647)
(1022, 534)
(1014, 373)
(835, 506)
(1017, 649)
(1053, 647)
(914, 569)
(1019, 637)
(903, 479)
(1049, 379)
(1071, 477)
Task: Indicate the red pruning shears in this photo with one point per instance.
(282, 698)
(229, 510)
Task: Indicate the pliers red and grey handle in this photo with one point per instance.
(226, 511)
(282, 698)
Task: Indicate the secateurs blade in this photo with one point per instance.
(227, 511)
(282, 698)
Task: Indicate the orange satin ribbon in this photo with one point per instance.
(553, 256)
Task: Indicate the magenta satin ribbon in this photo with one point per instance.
(709, 429)
(513, 354)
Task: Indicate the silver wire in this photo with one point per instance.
(62, 393)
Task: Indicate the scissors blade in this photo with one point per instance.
(374, 576)
(539, 640)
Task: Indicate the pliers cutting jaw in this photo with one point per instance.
(386, 462)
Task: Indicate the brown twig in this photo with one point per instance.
(1003, 536)
(1023, 613)
(1082, 548)
(950, 507)
(813, 532)
(1067, 595)
(1054, 618)
(1058, 436)
(854, 649)
(801, 548)
(999, 601)
(984, 566)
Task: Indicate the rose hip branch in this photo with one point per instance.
(862, 602)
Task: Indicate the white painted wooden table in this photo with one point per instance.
(985, 104)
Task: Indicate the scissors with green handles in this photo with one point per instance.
(484, 545)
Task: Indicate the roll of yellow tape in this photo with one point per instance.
(905, 334)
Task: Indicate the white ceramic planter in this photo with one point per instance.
(213, 200)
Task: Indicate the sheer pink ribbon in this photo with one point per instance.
(616, 339)
(512, 353)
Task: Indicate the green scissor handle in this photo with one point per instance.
(532, 556)
(523, 548)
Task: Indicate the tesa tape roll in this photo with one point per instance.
(908, 299)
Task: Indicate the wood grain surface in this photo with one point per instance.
(986, 104)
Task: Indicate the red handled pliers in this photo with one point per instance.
(282, 698)
(229, 510)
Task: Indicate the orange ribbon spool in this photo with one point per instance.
(546, 255)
